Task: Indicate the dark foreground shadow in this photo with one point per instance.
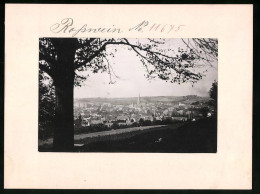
(193, 137)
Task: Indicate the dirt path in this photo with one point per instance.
(104, 135)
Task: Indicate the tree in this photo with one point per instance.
(147, 123)
(46, 106)
(46, 99)
(213, 93)
(64, 58)
(204, 111)
(141, 121)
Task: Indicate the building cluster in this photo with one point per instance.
(87, 113)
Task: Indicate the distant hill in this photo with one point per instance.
(146, 99)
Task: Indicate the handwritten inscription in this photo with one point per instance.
(163, 28)
(67, 26)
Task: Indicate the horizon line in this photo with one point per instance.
(143, 96)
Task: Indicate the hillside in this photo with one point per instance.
(193, 137)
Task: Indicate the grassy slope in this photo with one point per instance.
(193, 137)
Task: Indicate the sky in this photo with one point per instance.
(132, 82)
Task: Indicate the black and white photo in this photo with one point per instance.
(128, 95)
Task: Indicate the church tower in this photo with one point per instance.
(138, 100)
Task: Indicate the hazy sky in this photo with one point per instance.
(132, 81)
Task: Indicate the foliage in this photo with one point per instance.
(115, 126)
(46, 99)
(165, 63)
(204, 111)
(46, 106)
(213, 93)
(141, 121)
(205, 48)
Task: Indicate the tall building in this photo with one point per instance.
(138, 100)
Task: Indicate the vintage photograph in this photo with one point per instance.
(128, 95)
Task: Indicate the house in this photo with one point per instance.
(122, 118)
(180, 112)
(179, 118)
(85, 122)
(150, 118)
(95, 121)
(108, 124)
(181, 104)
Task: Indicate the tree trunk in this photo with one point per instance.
(64, 121)
(64, 84)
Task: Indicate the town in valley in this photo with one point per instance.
(114, 113)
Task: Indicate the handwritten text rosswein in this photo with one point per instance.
(67, 26)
